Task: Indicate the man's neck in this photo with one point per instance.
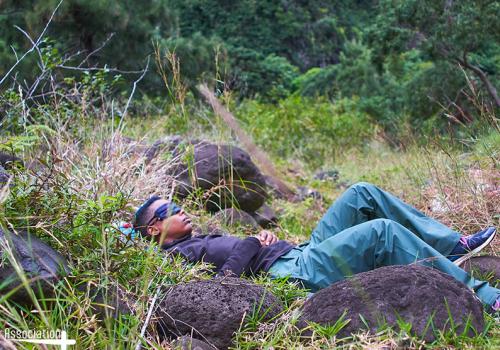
(169, 240)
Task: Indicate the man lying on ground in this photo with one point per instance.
(364, 229)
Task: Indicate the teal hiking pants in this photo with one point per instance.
(368, 228)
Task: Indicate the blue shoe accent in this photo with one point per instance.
(469, 245)
(459, 250)
(479, 238)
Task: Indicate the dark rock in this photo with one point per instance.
(188, 343)
(235, 217)
(487, 266)
(8, 161)
(6, 344)
(332, 175)
(40, 263)
(303, 193)
(4, 176)
(412, 292)
(265, 216)
(213, 310)
(110, 302)
(172, 144)
(225, 172)
(273, 188)
(210, 229)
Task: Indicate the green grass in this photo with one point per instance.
(71, 193)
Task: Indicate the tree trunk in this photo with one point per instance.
(479, 72)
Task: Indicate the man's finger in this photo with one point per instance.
(271, 239)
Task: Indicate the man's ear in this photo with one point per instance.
(153, 231)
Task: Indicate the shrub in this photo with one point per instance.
(311, 129)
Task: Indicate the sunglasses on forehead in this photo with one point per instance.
(164, 211)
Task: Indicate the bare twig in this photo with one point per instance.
(148, 317)
(97, 69)
(98, 49)
(144, 71)
(120, 124)
(35, 45)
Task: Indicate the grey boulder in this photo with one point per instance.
(41, 264)
(213, 310)
(8, 160)
(486, 266)
(412, 293)
(226, 174)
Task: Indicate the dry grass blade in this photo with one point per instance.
(251, 147)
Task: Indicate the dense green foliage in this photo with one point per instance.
(315, 129)
(75, 189)
(405, 61)
(318, 85)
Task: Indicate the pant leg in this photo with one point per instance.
(363, 202)
(364, 247)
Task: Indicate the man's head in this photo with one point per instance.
(162, 219)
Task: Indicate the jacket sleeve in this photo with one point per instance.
(241, 256)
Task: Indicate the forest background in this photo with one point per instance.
(400, 93)
(401, 63)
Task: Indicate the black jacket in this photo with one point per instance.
(229, 253)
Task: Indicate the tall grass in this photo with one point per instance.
(83, 174)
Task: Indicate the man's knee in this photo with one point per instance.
(359, 186)
(384, 223)
(386, 226)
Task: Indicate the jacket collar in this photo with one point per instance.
(175, 242)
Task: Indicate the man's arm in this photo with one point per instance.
(242, 255)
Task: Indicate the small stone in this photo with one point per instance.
(265, 216)
(332, 175)
(188, 343)
(304, 192)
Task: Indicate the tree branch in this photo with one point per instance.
(482, 76)
(35, 44)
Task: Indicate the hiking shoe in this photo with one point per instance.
(494, 310)
(496, 307)
(470, 245)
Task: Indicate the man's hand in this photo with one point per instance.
(267, 238)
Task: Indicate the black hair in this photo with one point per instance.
(141, 219)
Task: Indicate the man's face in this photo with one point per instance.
(173, 227)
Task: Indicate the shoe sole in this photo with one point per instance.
(473, 252)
